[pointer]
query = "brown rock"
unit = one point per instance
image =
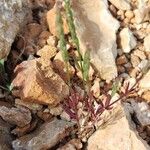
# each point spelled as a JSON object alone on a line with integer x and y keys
{"x": 16, "y": 116}
{"x": 74, "y": 144}
{"x": 45, "y": 137}
{"x": 37, "y": 82}
{"x": 34, "y": 29}
{"x": 146, "y": 95}
{"x": 47, "y": 52}
{"x": 51, "y": 20}
{"x": 122, "y": 60}
{"x": 5, "y": 137}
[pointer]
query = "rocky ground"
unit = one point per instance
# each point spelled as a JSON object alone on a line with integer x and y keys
{"x": 33, "y": 85}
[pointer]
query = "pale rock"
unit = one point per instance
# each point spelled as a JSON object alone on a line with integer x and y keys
{"x": 144, "y": 82}
{"x": 144, "y": 65}
{"x": 121, "y": 4}
{"x": 142, "y": 14}
{"x": 97, "y": 28}
{"x": 51, "y": 21}
{"x": 13, "y": 16}
{"x": 128, "y": 41}
{"x": 36, "y": 82}
{"x": 47, "y": 52}
{"x": 142, "y": 112}
{"x": 45, "y": 137}
{"x": 96, "y": 88}
{"x": 147, "y": 43}
{"x": 119, "y": 133}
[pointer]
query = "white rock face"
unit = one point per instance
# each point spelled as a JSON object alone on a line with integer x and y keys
{"x": 13, "y": 14}
{"x": 96, "y": 26}
{"x": 142, "y": 111}
{"x": 147, "y": 43}
{"x": 120, "y": 134}
{"x": 144, "y": 83}
{"x": 121, "y": 4}
{"x": 128, "y": 41}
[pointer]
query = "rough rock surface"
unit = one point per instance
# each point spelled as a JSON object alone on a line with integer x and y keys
{"x": 37, "y": 82}
{"x": 97, "y": 28}
{"x": 142, "y": 112}
{"x": 128, "y": 41}
{"x": 51, "y": 20}
{"x": 118, "y": 134}
{"x": 121, "y": 4}
{"x": 5, "y": 137}
{"x": 45, "y": 137}
{"x": 147, "y": 43}
{"x": 16, "y": 116}
{"x": 13, "y": 14}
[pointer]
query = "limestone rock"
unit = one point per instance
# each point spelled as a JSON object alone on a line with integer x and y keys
{"x": 13, "y": 14}
{"x": 144, "y": 83}
{"x": 128, "y": 41}
{"x": 45, "y": 137}
{"x": 5, "y": 137}
{"x": 121, "y": 4}
{"x": 16, "y": 116}
{"x": 51, "y": 21}
{"x": 142, "y": 112}
{"x": 118, "y": 134}
{"x": 97, "y": 28}
{"x": 147, "y": 43}
{"x": 37, "y": 82}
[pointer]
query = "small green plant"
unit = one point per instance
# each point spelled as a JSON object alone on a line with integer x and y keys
{"x": 84, "y": 61}
{"x": 62, "y": 40}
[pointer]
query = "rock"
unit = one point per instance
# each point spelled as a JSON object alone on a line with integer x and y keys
{"x": 129, "y": 14}
{"x": 128, "y": 41}
{"x": 142, "y": 112}
{"x": 119, "y": 133}
{"x": 37, "y": 82}
{"x": 16, "y": 116}
{"x": 100, "y": 34}
{"x": 48, "y": 51}
{"x": 147, "y": 43}
{"x": 31, "y": 106}
{"x": 121, "y": 4}
{"x": 144, "y": 84}
{"x": 13, "y": 16}
{"x": 122, "y": 60}
{"x": 74, "y": 144}
{"x": 51, "y": 21}
{"x": 146, "y": 95}
{"x": 142, "y": 14}
{"x": 5, "y": 136}
{"x": 45, "y": 137}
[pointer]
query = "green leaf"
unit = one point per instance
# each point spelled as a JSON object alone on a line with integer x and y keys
{"x": 86, "y": 65}
{"x": 115, "y": 88}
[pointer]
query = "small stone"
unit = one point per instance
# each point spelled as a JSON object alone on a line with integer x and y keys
{"x": 16, "y": 116}
{"x": 113, "y": 10}
{"x": 56, "y": 110}
{"x": 128, "y": 41}
{"x": 144, "y": 82}
{"x": 96, "y": 88}
{"x": 121, "y": 4}
{"x": 74, "y": 144}
{"x": 129, "y": 14}
{"x": 121, "y": 69}
{"x": 146, "y": 95}
{"x": 144, "y": 65}
{"x": 47, "y": 52}
{"x": 147, "y": 43}
{"x": 45, "y": 137}
{"x": 135, "y": 60}
{"x": 51, "y": 20}
{"x": 51, "y": 40}
{"x": 122, "y": 60}
{"x": 140, "y": 54}
{"x": 34, "y": 29}
{"x": 44, "y": 35}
